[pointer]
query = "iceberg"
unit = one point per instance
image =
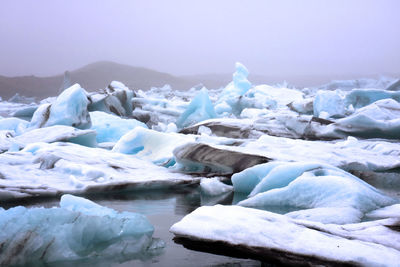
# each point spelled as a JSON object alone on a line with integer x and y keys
{"x": 69, "y": 109}
{"x": 25, "y": 113}
{"x": 363, "y": 156}
{"x": 359, "y": 98}
{"x": 50, "y": 134}
{"x": 110, "y": 128}
{"x": 246, "y": 180}
{"x": 338, "y": 104}
{"x": 380, "y": 119}
{"x": 78, "y": 229}
{"x": 199, "y": 109}
{"x": 66, "y": 83}
{"x": 395, "y": 86}
{"x": 302, "y": 106}
{"x": 242, "y": 85}
{"x": 42, "y": 169}
{"x": 40, "y": 116}
{"x": 272, "y": 237}
{"x": 348, "y": 85}
{"x": 203, "y": 158}
{"x": 279, "y": 95}
{"x": 223, "y": 127}
{"x": 115, "y": 99}
{"x": 17, "y": 98}
{"x": 13, "y": 124}
{"x": 7, "y": 109}
{"x": 255, "y": 123}
{"x": 159, "y": 105}
{"x": 229, "y": 99}
{"x": 310, "y": 186}
{"x": 214, "y": 187}
{"x": 151, "y": 145}
{"x": 392, "y": 211}
{"x": 331, "y": 103}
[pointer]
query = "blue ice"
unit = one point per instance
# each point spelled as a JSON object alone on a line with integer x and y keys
{"x": 110, "y": 128}
{"x": 199, "y": 109}
{"x": 13, "y": 124}
{"x": 307, "y": 186}
{"x": 79, "y": 229}
{"x": 229, "y": 98}
{"x": 69, "y": 109}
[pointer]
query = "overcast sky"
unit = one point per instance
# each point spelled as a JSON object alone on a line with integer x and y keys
{"x": 47, "y": 37}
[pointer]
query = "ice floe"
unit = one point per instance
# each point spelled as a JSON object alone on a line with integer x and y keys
{"x": 310, "y": 186}
{"x": 151, "y": 145}
{"x": 380, "y": 119}
{"x": 16, "y": 125}
{"x": 48, "y": 135}
{"x": 42, "y": 169}
{"x": 280, "y": 239}
{"x": 203, "y": 158}
{"x": 350, "y": 154}
{"x": 214, "y": 187}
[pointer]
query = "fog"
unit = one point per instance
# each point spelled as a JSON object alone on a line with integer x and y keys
{"x": 284, "y": 38}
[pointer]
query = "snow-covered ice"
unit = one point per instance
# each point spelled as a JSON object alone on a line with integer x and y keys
{"x": 310, "y": 187}
{"x": 381, "y": 119}
{"x": 351, "y": 154}
{"x": 272, "y": 236}
{"x": 42, "y": 169}
{"x": 151, "y": 145}
{"x": 330, "y": 103}
{"x": 214, "y": 187}
{"x": 206, "y": 159}
{"x": 13, "y": 124}
{"x": 47, "y": 135}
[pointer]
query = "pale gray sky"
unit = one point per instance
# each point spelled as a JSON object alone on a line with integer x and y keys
{"x": 46, "y": 37}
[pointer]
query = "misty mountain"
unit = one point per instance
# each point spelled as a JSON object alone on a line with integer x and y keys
{"x": 98, "y": 75}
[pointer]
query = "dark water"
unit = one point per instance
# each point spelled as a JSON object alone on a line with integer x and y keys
{"x": 163, "y": 209}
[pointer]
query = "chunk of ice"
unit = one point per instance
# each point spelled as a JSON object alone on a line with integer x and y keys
{"x": 79, "y": 229}
{"x": 309, "y": 186}
{"x": 199, "y": 109}
{"x": 151, "y": 145}
{"x": 110, "y": 128}
{"x": 69, "y": 109}
{"x": 269, "y": 235}
{"x": 214, "y": 187}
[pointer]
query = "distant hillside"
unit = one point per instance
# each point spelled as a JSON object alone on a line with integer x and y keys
{"x": 98, "y": 75}
{"x": 95, "y": 76}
